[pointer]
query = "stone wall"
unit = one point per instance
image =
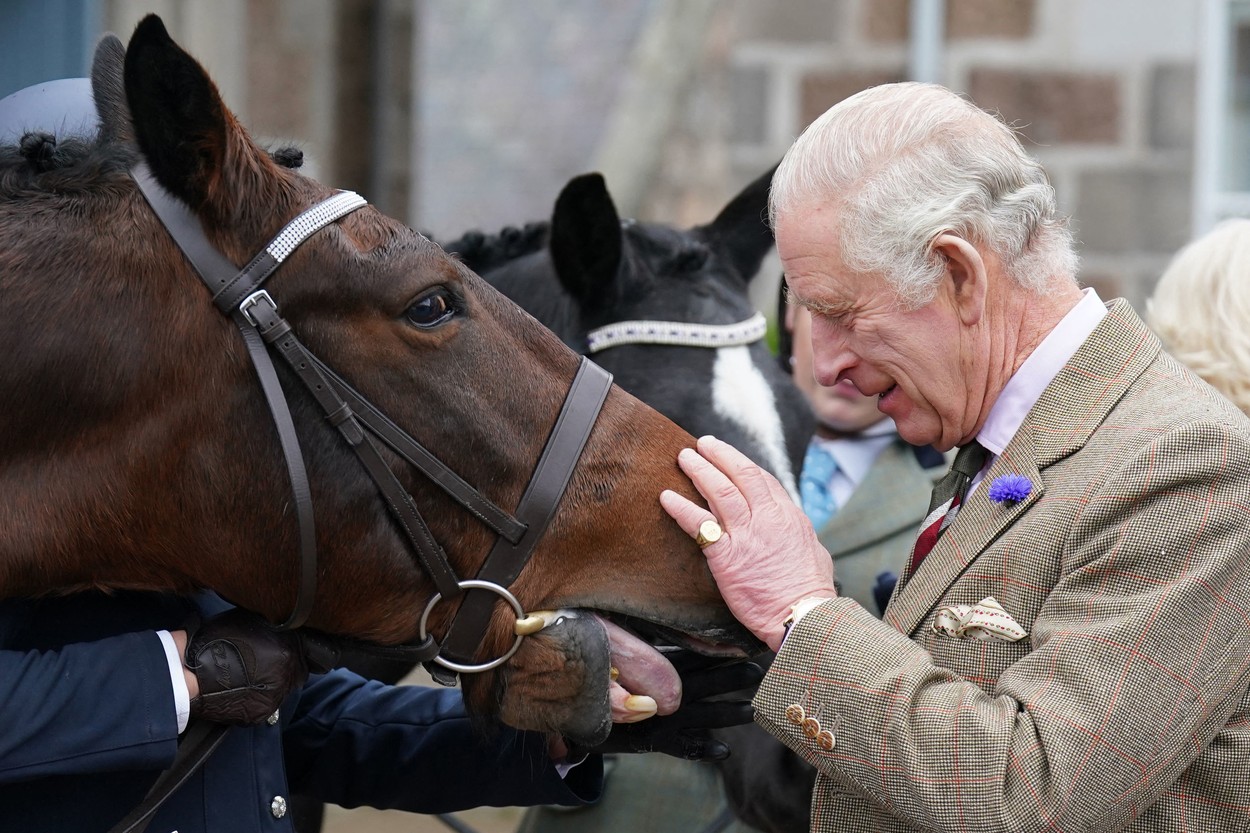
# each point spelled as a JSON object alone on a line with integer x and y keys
{"x": 1101, "y": 90}
{"x": 487, "y": 107}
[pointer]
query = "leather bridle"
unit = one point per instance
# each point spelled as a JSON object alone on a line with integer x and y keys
{"x": 238, "y": 294}
{"x": 676, "y": 334}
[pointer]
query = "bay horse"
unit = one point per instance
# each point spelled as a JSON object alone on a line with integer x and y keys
{"x": 139, "y": 451}
{"x": 666, "y": 310}
{"x": 697, "y": 353}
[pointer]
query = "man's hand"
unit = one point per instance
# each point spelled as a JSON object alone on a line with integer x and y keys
{"x": 244, "y": 668}
{"x": 769, "y": 557}
{"x": 686, "y": 733}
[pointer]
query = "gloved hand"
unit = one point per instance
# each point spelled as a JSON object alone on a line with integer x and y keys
{"x": 686, "y": 733}
{"x": 245, "y": 667}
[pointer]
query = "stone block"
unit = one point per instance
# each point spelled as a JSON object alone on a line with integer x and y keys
{"x": 822, "y": 90}
{"x": 885, "y": 21}
{"x": 1107, "y": 284}
{"x": 1052, "y": 107}
{"x": 888, "y": 21}
{"x": 969, "y": 19}
{"x": 1132, "y": 210}
{"x": 789, "y": 21}
{"x": 748, "y": 105}
{"x": 1171, "y": 103}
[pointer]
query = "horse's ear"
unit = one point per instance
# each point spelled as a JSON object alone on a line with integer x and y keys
{"x": 108, "y": 91}
{"x": 741, "y": 229}
{"x": 585, "y": 242}
{"x": 180, "y": 122}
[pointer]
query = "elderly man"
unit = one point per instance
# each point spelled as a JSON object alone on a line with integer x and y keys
{"x": 1069, "y": 645}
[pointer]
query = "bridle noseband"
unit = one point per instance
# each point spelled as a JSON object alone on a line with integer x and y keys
{"x": 238, "y": 294}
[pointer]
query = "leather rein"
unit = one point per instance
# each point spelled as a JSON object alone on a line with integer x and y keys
{"x": 238, "y": 294}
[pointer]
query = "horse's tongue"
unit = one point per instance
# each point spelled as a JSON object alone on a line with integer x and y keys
{"x": 643, "y": 669}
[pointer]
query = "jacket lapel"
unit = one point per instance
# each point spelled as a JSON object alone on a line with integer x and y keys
{"x": 1071, "y": 408}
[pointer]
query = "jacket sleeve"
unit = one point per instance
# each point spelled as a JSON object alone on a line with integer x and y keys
{"x": 87, "y": 707}
{"x": 1137, "y": 659}
{"x": 359, "y": 742}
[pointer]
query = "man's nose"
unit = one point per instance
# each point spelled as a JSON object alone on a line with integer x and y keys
{"x": 831, "y": 354}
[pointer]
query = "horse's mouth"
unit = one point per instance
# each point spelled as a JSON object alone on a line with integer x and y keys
{"x": 717, "y": 643}
{"x": 639, "y": 656}
{"x": 587, "y": 668}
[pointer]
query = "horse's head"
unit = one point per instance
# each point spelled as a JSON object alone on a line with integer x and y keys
{"x": 587, "y": 272}
{"x": 138, "y": 449}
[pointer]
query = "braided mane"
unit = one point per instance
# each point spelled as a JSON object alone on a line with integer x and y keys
{"x": 24, "y": 167}
{"x": 482, "y": 252}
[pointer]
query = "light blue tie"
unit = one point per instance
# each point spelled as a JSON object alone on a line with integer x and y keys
{"x": 815, "y": 485}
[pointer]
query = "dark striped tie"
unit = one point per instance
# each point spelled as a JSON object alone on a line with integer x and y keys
{"x": 948, "y": 494}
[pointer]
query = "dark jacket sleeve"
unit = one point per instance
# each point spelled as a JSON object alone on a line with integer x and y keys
{"x": 357, "y": 742}
{"x": 87, "y": 707}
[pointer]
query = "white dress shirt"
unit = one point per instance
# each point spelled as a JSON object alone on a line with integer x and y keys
{"x": 1025, "y": 387}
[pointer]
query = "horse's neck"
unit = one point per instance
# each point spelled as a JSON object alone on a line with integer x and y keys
{"x": 527, "y": 283}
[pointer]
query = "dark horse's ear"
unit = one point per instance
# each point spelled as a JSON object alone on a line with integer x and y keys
{"x": 180, "y": 122}
{"x": 741, "y": 229}
{"x": 108, "y": 92}
{"x": 585, "y": 241}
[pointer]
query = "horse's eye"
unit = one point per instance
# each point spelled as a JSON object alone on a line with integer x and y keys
{"x": 431, "y": 310}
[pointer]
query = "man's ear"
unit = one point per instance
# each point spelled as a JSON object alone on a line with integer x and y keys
{"x": 967, "y": 274}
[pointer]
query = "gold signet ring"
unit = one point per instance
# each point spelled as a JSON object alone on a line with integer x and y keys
{"x": 709, "y": 533}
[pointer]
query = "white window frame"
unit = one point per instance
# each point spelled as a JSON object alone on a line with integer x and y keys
{"x": 1212, "y": 200}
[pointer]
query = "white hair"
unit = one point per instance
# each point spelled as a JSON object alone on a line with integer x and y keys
{"x": 905, "y": 163}
{"x": 1201, "y": 306}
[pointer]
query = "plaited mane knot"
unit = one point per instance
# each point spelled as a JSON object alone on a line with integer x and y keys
{"x": 39, "y": 150}
{"x": 289, "y": 157}
{"x": 481, "y": 252}
{"x": 690, "y": 258}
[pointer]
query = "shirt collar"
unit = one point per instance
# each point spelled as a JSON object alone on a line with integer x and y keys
{"x": 1026, "y": 385}
{"x": 856, "y": 455}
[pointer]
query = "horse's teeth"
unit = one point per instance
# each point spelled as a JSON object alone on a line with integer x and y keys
{"x": 640, "y": 704}
{"x": 614, "y": 673}
{"x": 535, "y": 621}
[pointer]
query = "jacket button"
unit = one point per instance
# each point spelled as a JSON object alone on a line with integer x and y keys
{"x": 811, "y": 727}
{"x": 795, "y": 714}
{"x": 272, "y": 719}
{"x": 278, "y": 807}
{"x": 825, "y": 740}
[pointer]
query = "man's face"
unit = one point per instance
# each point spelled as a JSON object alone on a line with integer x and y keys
{"x": 922, "y": 365}
{"x": 841, "y": 408}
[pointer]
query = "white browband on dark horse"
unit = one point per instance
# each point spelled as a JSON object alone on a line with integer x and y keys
{"x": 679, "y": 333}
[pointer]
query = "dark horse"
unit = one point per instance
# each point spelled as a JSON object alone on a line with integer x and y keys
{"x": 138, "y": 450}
{"x": 666, "y": 310}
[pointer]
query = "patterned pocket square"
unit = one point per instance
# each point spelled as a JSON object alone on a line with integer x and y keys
{"x": 984, "y": 620}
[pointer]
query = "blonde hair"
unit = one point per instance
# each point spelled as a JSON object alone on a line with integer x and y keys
{"x": 1201, "y": 309}
{"x": 904, "y": 163}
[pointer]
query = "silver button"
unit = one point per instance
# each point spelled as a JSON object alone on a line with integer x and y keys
{"x": 272, "y": 719}
{"x": 278, "y": 806}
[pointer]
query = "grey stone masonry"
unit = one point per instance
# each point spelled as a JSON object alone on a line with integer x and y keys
{"x": 1133, "y": 209}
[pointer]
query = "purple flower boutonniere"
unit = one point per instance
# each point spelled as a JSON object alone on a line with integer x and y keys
{"x": 1010, "y": 488}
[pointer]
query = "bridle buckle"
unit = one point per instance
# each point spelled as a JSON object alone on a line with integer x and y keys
{"x": 252, "y": 300}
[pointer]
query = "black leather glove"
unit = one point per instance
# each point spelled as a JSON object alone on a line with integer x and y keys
{"x": 245, "y": 667}
{"x": 686, "y": 733}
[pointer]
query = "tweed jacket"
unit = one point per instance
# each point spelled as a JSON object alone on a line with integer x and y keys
{"x": 1125, "y": 707}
